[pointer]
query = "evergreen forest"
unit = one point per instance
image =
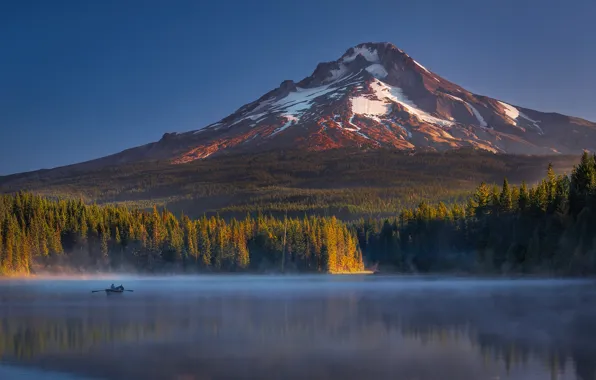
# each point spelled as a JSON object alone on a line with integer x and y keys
{"x": 547, "y": 228}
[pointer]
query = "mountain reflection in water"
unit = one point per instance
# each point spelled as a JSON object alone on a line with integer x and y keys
{"x": 319, "y": 327}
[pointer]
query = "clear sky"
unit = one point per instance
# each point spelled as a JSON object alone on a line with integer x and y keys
{"x": 81, "y": 79}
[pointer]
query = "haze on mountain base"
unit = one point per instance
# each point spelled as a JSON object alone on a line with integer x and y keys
{"x": 374, "y": 96}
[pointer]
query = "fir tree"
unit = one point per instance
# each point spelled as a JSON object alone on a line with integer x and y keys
{"x": 505, "y": 197}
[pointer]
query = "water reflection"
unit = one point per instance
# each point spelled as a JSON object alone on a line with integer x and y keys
{"x": 384, "y": 328}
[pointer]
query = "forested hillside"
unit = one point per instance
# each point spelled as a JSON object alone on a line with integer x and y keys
{"x": 41, "y": 234}
{"x": 343, "y": 182}
{"x": 547, "y": 228}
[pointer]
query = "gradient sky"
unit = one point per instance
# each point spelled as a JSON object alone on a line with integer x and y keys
{"x": 83, "y": 79}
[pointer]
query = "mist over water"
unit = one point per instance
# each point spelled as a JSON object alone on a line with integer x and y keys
{"x": 298, "y": 327}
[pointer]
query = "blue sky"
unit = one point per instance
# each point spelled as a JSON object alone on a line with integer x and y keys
{"x": 83, "y": 79}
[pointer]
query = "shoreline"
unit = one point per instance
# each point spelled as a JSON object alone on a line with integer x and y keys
{"x": 109, "y": 275}
{"x": 429, "y": 276}
{"x": 341, "y": 273}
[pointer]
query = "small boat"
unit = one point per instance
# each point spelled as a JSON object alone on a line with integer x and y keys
{"x": 117, "y": 290}
{"x": 113, "y": 290}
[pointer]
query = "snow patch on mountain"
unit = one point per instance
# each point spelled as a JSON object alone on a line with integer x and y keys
{"x": 514, "y": 114}
{"x": 479, "y": 117}
{"x": 369, "y": 55}
{"x": 378, "y": 105}
{"x": 363, "y": 135}
{"x": 290, "y": 120}
{"x": 263, "y": 104}
{"x": 422, "y": 67}
{"x": 258, "y": 117}
{"x": 534, "y": 122}
{"x": 395, "y": 94}
{"x": 341, "y": 80}
{"x": 200, "y": 130}
{"x": 377, "y": 70}
{"x": 251, "y": 138}
{"x": 405, "y": 130}
{"x": 338, "y": 122}
{"x": 336, "y": 74}
{"x": 356, "y": 128}
{"x": 296, "y": 103}
{"x": 510, "y": 111}
{"x": 255, "y": 117}
{"x": 387, "y": 126}
{"x": 364, "y": 105}
{"x": 386, "y": 123}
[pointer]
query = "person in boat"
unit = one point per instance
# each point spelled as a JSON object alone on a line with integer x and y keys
{"x": 113, "y": 287}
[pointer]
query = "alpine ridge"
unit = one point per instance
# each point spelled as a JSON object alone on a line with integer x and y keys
{"x": 374, "y": 96}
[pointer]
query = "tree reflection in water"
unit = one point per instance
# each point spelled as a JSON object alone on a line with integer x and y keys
{"x": 523, "y": 332}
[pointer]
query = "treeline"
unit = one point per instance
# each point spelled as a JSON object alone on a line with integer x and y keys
{"x": 347, "y": 183}
{"x": 548, "y": 228}
{"x": 36, "y": 233}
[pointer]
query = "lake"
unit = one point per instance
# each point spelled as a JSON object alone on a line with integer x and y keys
{"x": 298, "y": 327}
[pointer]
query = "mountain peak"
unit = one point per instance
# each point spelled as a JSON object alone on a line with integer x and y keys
{"x": 375, "y": 95}
{"x": 368, "y": 52}
{"x": 383, "y": 55}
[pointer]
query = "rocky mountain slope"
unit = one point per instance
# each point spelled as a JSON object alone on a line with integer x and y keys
{"x": 375, "y": 95}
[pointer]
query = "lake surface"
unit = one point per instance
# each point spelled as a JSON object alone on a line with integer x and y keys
{"x": 298, "y": 327}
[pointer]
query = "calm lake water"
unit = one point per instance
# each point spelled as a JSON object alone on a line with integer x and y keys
{"x": 298, "y": 327}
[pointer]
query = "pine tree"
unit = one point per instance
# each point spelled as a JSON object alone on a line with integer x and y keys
{"x": 10, "y": 231}
{"x": 190, "y": 238}
{"x": 482, "y": 198}
{"x": 551, "y": 182}
{"x": 205, "y": 244}
{"x": 242, "y": 255}
{"x": 505, "y": 197}
{"x": 524, "y": 196}
{"x": 583, "y": 183}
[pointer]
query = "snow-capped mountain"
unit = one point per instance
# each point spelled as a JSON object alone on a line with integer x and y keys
{"x": 375, "y": 95}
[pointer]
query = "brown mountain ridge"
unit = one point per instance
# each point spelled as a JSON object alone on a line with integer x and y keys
{"x": 374, "y": 96}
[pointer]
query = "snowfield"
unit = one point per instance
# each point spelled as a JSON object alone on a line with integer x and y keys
{"x": 515, "y": 114}
{"x": 380, "y": 104}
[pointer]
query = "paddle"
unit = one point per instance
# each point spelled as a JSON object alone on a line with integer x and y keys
{"x": 95, "y": 291}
